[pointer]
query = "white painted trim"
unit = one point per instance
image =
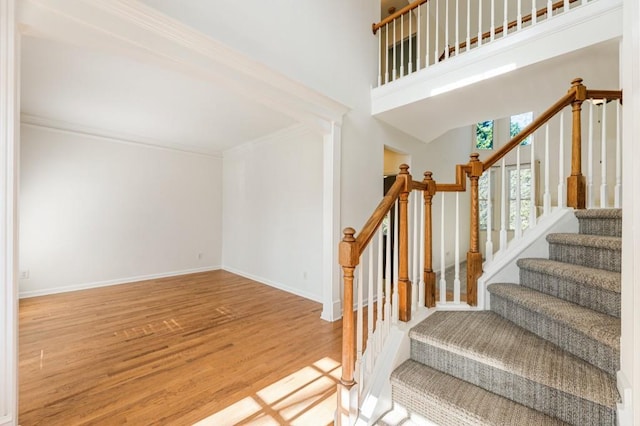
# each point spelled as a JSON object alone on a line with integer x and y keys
{"x": 9, "y": 190}
{"x": 331, "y": 236}
{"x": 625, "y": 407}
{"x": 132, "y": 28}
{"x": 119, "y": 281}
{"x": 271, "y": 283}
{"x": 93, "y": 132}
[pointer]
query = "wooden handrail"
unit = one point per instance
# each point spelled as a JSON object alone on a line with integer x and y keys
{"x": 461, "y": 180}
{"x": 540, "y": 12}
{"x": 391, "y": 18}
{"x": 528, "y": 130}
{"x": 605, "y": 94}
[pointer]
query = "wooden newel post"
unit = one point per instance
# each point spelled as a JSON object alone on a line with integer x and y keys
{"x": 576, "y": 183}
{"x": 429, "y": 276}
{"x": 404, "y": 285}
{"x": 474, "y": 257}
{"x": 349, "y": 257}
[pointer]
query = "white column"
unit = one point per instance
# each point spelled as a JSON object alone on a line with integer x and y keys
{"x": 331, "y": 233}
{"x": 9, "y": 154}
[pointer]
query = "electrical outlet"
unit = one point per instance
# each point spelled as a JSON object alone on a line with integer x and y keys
{"x": 24, "y": 275}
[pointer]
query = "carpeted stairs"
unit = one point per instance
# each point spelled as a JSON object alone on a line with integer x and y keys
{"x": 545, "y": 354}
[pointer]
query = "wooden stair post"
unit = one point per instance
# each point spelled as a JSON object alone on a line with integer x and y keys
{"x": 429, "y": 275}
{"x": 349, "y": 257}
{"x": 474, "y": 257}
{"x": 404, "y": 284}
{"x": 576, "y": 183}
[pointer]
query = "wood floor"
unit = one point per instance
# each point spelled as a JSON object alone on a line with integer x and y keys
{"x": 211, "y": 347}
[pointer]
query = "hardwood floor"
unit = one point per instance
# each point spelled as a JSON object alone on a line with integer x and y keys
{"x": 211, "y": 347}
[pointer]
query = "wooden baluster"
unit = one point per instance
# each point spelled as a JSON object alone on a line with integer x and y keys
{"x": 474, "y": 257}
{"x": 403, "y": 283}
{"x": 429, "y": 275}
{"x": 576, "y": 183}
{"x": 349, "y": 256}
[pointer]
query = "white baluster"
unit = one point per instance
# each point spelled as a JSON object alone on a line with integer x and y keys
{"x": 503, "y": 206}
{"x": 395, "y": 300}
{"x": 456, "y": 279}
{"x": 370, "y": 309}
{"x": 359, "y": 324}
{"x": 427, "y": 47}
{"x": 436, "y": 55}
{"x": 388, "y": 275}
{"x": 380, "y": 58}
{"x": 386, "y": 53}
{"x": 562, "y": 197}
{"x": 493, "y": 20}
{"x": 519, "y": 25}
{"x": 618, "y": 188}
{"x": 566, "y": 6}
{"x": 394, "y": 72}
{"x": 416, "y": 251}
{"x": 518, "y": 224}
{"x": 380, "y": 298}
{"x": 480, "y": 23}
{"x": 533, "y": 212}
{"x": 446, "y": 29}
{"x": 443, "y": 281}
{"x": 489, "y": 243}
{"x": 457, "y": 18}
{"x": 549, "y": 9}
{"x": 410, "y": 70}
{"x": 421, "y": 268}
{"x": 534, "y": 13}
{"x": 547, "y": 192}
{"x": 418, "y": 36}
{"x": 505, "y": 24}
{"x": 603, "y": 157}
{"x": 401, "y": 46}
{"x": 590, "y": 158}
{"x": 468, "y": 40}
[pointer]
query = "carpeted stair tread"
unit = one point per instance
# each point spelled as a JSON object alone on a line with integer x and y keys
{"x": 447, "y": 400}
{"x": 593, "y": 277}
{"x": 487, "y": 338}
{"x": 598, "y": 213}
{"x": 603, "y": 328}
{"x": 595, "y": 241}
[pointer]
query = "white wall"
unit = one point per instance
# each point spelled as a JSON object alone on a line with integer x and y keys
{"x": 272, "y": 220}
{"x": 96, "y": 211}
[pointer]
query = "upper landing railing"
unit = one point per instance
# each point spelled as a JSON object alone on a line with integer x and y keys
{"x": 427, "y": 32}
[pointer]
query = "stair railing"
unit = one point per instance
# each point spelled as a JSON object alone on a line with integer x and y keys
{"x": 380, "y": 258}
{"x": 427, "y": 32}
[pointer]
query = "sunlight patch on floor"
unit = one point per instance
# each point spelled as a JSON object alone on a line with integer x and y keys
{"x": 306, "y": 397}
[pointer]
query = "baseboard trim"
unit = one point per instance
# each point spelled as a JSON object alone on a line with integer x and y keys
{"x": 97, "y": 284}
{"x": 272, "y": 283}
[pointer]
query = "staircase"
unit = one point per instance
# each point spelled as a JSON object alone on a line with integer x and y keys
{"x": 545, "y": 354}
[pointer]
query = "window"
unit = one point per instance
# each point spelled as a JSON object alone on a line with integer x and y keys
{"x": 484, "y": 135}
{"x": 525, "y": 207}
{"x": 485, "y": 195}
{"x": 519, "y": 122}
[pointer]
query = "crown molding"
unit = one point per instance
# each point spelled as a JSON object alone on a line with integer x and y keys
{"x": 133, "y": 28}
{"x": 93, "y": 132}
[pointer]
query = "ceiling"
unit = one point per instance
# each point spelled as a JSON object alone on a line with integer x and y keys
{"x": 123, "y": 70}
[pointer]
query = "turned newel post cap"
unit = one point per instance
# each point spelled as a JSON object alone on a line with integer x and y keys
{"x": 475, "y": 156}
{"x": 349, "y": 235}
{"x": 427, "y": 175}
{"x": 576, "y": 81}
{"x": 404, "y": 169}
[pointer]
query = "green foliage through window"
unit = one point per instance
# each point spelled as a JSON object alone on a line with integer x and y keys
{"x": 484, "y": 135}
{"x": 519, "y": 122}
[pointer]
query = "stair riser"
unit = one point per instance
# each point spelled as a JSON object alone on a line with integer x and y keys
{"x": 594, "y": 298}
{"x": 592, "y": 351}
{"x": 550, "y": 401}
{"x": 593, "y": 257}
{"x": 599, "y": 226}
